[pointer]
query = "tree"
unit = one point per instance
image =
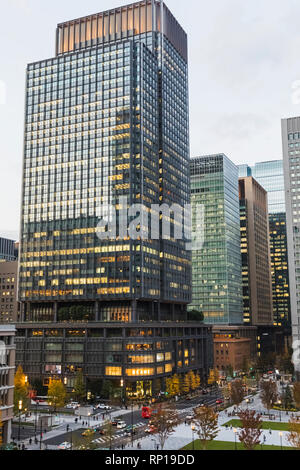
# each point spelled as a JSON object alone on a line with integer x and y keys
{"x": 268, "y": 393}
{"x": 287, "y": 398}
{"x": 294, "y": 433}
{"x": 229, "y": 371}
{"x": 186, "y": 384}
{"x": 214, "y": 376}
{"x": 57, "y": 394}
{"x": 236, "y": 392}
{"x": 79, "y": 391}
{"x": 197, "y": 380}
{"x": 226, "y": 392}
{"x": 109, "y": 431}
{"x": 21, "y": 391}
{"x": 192, "y": 380}
{"x": 195, "y": 315}
{"x": 251, "y": 431}
{"x": 206, "y": 424}
{"x": 296, "y": 394}
{"x": 107, "y": 388}
{"x": 164, "y": 422}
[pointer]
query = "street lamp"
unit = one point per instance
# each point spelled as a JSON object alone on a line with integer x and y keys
{"x": 280, "y": 435}
{"x": 235, "y": 431}
{"x": 132, "y": 424}
{"x": 193, "y": 430}
{"x": 247, "y": 401}
{"x": 20, "y": 405}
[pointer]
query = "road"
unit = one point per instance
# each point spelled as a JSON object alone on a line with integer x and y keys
{"x": 120, "y": 438}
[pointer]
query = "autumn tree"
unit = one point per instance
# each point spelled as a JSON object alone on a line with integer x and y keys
{"x": 109, "y": 431}
{"x": 79, "y": 391}
{"x": 296, "y": 394}
{"x": 236, "y": 392}
{"x": 251, "y": 431}
{"x": 192, "y": 380}
{"x": 197, "y": 380}
{"x": 226, "y": 392}
{"x": 294, "y": 433}
{"x": 186, "y": 386}
{"x": 164, "y": 422}
{"x": 214, "y": 377}
{"x": 21, "y": 390}
{"x": 57, "y": 394}
{"x": 206, "y": 424}
{"x": 268, "y": 393}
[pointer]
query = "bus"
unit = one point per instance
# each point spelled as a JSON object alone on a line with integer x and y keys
{"x": 40, "y": 401}
{"x": 146, "y": 412}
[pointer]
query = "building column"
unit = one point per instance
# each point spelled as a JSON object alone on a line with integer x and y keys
{"x": 55, "y": 305}
{"x": 97, "y": 310}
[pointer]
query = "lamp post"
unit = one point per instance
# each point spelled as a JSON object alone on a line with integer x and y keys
{"x": 235, "y": 431}
{"x": 279, "y": 403}
{"x": 20, "y": 405}
{"x": 280, "y": 435}
{"x": 247, "y": 402}
{"x": 193, "y": 430}
{"x": 132, "y": 424}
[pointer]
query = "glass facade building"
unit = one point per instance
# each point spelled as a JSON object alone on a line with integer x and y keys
{"x": 106, "y": 126}
{"x": 7, "y": 250}
{"x": 270, "y": 176}
{"x": 216, "y": 280}
{"x": 291, "y": 165}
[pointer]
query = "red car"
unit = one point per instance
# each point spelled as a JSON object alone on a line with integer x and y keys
{"x": 219, "y": 402}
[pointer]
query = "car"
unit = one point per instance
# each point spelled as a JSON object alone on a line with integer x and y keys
{"x": 101, "y": 406}
{"x": 114, "y": 423}
{"x": 150, "y": 429}
{"x": 189, "y": 418}
{"x": 121, "y": 424}
{"x": 101, "y": 432}
{"x": 65, "y": 446}
{"x": 219, "y": 402}
{"x": 88, "y": 432}
{"x": 130, "y": 429}
{"x": 73, "y": 405}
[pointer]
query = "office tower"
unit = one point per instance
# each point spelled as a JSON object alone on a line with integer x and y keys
{"x": 216, "y": 266}
{"x": 291, "y": 165}
{"x": 255, "y": 248}
{"x": 8, "y": 292}
{"x": 270, "y": 176}
{"x": 7, "y": 250}
{"x": 7, "y": 372}
{"x": 107, "y": 127}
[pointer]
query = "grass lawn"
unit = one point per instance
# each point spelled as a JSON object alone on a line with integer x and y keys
{"x": 223, "y": 445}
{"x": 236, "y": 423}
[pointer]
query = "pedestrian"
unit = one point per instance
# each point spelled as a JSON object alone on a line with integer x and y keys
{"x": 30, "y": 441}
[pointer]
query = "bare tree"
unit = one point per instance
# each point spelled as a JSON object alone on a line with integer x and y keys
{"x": 251, "y": 431}
{"x": 164, "y": 422}
{"x": 268, "y": 393}
{"x": 206, "y": 425}
{"x": 236, "y": 392}
{"x": 296, "y": 394}
{"x": 294, "y": 433}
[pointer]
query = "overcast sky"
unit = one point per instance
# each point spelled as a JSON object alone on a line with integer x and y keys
{"x": 244, "y": 58}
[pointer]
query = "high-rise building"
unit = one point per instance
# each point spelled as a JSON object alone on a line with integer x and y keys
{"x": 8, "y": 292}
{"x": 7, "y": 373}
{"x": 216, "y": 263}
{"x": 106, "y": 128}
{"x": 291, "y": 166}
{"x": 255, "y": 249}
{"x": 7, "y": 250}
{"x": 270, "y": 176}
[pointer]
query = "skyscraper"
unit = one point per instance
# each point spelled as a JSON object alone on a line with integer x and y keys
{"x": 7, "y": 250}
{"x": 255, "y": 249}
{"x": 216, "y": 281}
{"x": 291, "y": 165}
{"x": 270, "y": 176}
{"x": 106, "y": 128}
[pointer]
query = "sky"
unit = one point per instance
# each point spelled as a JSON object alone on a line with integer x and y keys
{"x": 244, "y": 77}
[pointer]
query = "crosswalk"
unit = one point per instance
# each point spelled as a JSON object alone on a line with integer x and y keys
{"x": 105, "y": 439}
